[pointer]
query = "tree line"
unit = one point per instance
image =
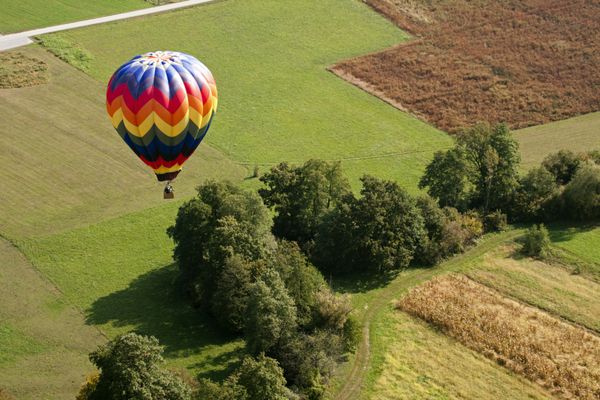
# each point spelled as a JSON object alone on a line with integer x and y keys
{"x": 256, "y": 260}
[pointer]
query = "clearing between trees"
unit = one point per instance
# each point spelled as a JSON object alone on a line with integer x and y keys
{"x": 520, "y": 62}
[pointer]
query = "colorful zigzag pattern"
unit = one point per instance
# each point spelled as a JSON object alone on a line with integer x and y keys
{"x": 162, "y": 104}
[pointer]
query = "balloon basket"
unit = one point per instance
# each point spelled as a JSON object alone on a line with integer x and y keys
{"x": 169, "y": 192}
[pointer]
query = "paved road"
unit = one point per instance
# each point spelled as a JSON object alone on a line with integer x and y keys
{"x": 23, "y": 38}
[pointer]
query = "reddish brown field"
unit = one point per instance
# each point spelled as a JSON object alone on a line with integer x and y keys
{"x": 523, "y": 62}
{"x": 563, "y": 358}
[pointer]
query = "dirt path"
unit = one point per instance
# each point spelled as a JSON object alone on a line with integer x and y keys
{"x": 354, "y": 381}
{"x": 19, "y": 39}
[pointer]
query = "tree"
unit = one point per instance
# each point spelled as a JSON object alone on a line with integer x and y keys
{"x": 301, "y": 196}
{"x": 262, "y": 378}
{"x": 378, "y": 232}
{"x": 494, "y": 158}
{"x": 223, "y": 220}
{"x": 582, "y": 195}
{"x": 535, "y": 191}
{"x": 302, "y": 280}
{"x": 446, "y": 178}
{"x": 562, "y": 165}
{"x": 132, "y": 368}
{"x": 271, "y": 313}
{"x": 230, "y": 298}
{"x": 228, "y": 390}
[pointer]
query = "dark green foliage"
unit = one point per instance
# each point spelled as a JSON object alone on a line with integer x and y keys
{"x": 222, "y": 221}
{"x": 262, "y": 378}
{"x": 377, "y": 232}
{"x": 230, "y": 298}
{"x": 309, "y": 359}
{"x": 352, "y": 333}
{"x": 430, "y": 251}
{"x": 302, "y": 280}
{"x": 270, "y": 315}
{"x": 132, "y": 368}
{"x": 536, "y": 192}
{"x": 481, "y": 171}
{"x": 496, "y": 221}
{"x": 582, "y": 195}
{"x": 228, "y": 390}
{"x": 301, "y": 196}
{"x": 536, "y": 242}
{"x": 446, "y": 178}
{"x": 494, "y": 159}
{"x": 562, "y": 165}
{"x": 259, "y": 378}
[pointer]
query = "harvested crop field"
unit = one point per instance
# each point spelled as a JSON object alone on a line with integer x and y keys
{"x": 563, "y": 358}
{"x": 523, "y": 62}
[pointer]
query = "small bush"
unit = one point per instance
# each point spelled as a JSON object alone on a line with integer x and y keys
{"x": 352, "y": 333}
{"x": 495, "y": 222}
{"x": 536, "y": 242}
{"x": 4, "y": 395}
{"x": 88, "y": 388}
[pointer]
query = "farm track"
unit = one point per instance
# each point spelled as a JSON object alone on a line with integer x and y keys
{"x": 19, "y": 39}
{"x": 354, "y": 381}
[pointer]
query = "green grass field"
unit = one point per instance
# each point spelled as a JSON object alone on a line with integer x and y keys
{"x": 22, "y": 15}
{"x": 90, "y": 218}
{"x": 581, "y": 243}
{"x": 277, "y": 100}
{"x": 120, "y": 274}
{"x": 577, "y": 134}
{"x": 64, "y": 165}
{"x": 43, "y": 340}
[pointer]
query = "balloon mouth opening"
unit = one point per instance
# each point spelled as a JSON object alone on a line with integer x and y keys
{"x": 168, "y": 176}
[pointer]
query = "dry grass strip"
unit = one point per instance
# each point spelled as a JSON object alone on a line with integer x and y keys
{"x": 563, "y": 358}
{"x": 18, "y": 70}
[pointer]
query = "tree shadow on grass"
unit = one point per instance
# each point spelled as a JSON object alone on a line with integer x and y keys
{"x": 563, "y": 232}
{"x": 361, "y": 283}
{"x": 152, "y": 305}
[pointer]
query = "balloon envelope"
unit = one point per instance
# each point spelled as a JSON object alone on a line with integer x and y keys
{"x": 162, "y": 104}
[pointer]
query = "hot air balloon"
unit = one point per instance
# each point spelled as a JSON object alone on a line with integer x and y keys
{"x": 162, "y": 104}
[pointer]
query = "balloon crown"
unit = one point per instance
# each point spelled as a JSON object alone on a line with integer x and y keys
{"x": 163, "y": 57}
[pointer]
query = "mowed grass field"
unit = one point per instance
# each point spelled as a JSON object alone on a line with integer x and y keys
{"x": 89, "y": 216}
{"x": 577, "y": 134}
{"x": 277, "y": 101}
{"x": 22, "y": 15}
{"x": 65, "y": 166}
{"x": 43, "y": 340}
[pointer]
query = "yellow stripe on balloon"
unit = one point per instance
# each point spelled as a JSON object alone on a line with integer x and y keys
{"x": 163, "y": 169}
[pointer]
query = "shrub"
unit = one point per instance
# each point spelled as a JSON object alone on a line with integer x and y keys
{"x": 582, "y": 195}
{"x": 262, "y": 378}
{"x": 5, "y": 395}
{"x": 495, "y": 221}
{"x": 352, "y": 333}
{"x": 87, "y": 388}
{"x": 536, "y": 195}
{"x": 536, "y": 242}
{"x": 562, "y": 165}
